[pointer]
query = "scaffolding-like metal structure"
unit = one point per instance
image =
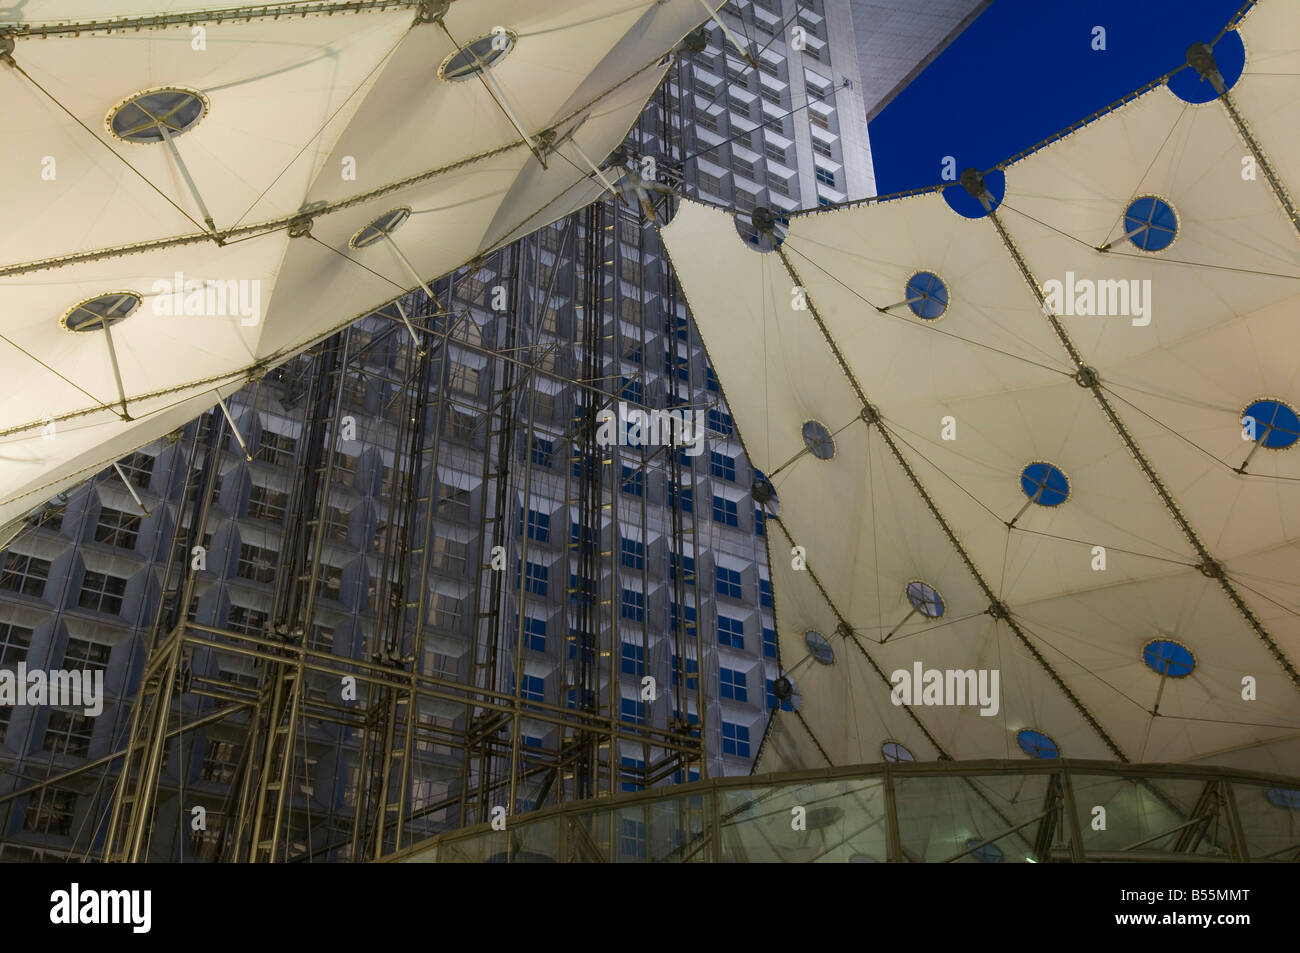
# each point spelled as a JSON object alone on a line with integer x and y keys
{"x": 437, "y": 745}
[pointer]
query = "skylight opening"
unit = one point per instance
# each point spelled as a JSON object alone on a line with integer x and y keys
{"x": 1044, "y": 484}
{"x": 385, "y": 224}
{"x": 156, "y": 114}
{"x": 1036, "y": 744}
{"x": 925, "y": 599}
{"x": 1167, "y": 657}
{"x": 476, "y": 56}
{"x": 818, "y": 440}
{"x": 101, "y": 311}
{"x": 895, "y": 752}
{"x": 1276, "y": 425}
{"x": 927, "y": 295}
{"x": 819, "y": 647}
{"x": 1150, "y": 224}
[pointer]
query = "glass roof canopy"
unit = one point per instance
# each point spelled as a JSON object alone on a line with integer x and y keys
{"x": 975, "y": 812}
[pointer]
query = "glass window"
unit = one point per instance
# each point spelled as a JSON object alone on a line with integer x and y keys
{"x": 117, "y": 528}
{"x": 729, "y": 582}
{"x": 732, "y": 685}
{"x": 731, "y": 632}
{"x": 735, "y": 740}
{"x": 101, "y": 592}
{"x": 25, "y": 574}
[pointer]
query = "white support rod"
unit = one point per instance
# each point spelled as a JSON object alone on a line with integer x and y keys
{"x": 117, "y": 373}
{"x": 485, "y": 73}
{"x": 131, "y": 489}
{"x": 410, "y": 269}
{"x": 234, "y": 427}
{"x": 407, "y": 321}
{"x": 594, "y": 168}
{"x": 185, "y": 173}
{"x": 1137, "y": 231}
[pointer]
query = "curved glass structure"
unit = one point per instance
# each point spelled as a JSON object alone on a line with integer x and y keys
{"x": 908, "y": 812}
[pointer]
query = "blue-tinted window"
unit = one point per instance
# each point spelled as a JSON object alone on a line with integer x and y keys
{"x": 633, "y": 659}
{"x": 732, "y": 684}
{"x": 633, "y": 769}
{"x": 765, "y": 592}
{"x": 632, "y": 711}
{"x": 633, "y": 481}
{"x": 760, "y": 522}
{"x": 769, "y": 643}
{"x": 826, "y": 176}
{"x": 581, "y": 590}
{"x": 735, "y": 740}
{"x": 692, "y": 668}
{"x": 537, "y": 578}
{"x": 539, "y": 525}
{"x": 534, "y": 634}
{"x": 587, "y": 643}
{"x": 631, "y": 391}
{"x": 710, "y": 379}
{"x": 687, "y": 623}
{"x": 728, "y": 582}
{"x": 720, "y": 422}
{"x": 633, "y": 554}
{"x": 721, "y": 465}
{"x": 687, "y": 564}
{"x": 725, "y": 511}
{"x": 633, "y": 605}
{"x": 731, "y": 632}
{"x": 533, "y": 688}
{"x": 578, "y": 458}
{"x": 683, "y": 497}
{"x": 543, "y": 452}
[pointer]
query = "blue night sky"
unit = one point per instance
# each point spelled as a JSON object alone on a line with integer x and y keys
{"x": 1026, "y": 69}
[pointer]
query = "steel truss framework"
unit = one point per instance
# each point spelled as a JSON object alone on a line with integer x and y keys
{"x": 407, "y": 713}
{"x": 978, "y": 811}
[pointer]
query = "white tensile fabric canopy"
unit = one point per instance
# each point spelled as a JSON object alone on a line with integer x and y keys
{"x": 406, "y": 113}
{"x": 1099, "y": 526}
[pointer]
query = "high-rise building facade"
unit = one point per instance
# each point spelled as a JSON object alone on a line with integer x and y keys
{"x": 454, "y": 490}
